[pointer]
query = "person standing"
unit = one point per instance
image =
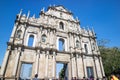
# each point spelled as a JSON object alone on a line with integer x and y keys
{"x": 36, "y": 77}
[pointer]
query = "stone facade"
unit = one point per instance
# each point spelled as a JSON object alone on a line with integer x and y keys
{"x": 78, "y": 48}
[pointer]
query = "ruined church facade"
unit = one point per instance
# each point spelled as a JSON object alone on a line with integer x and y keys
{"x": 36, "y": 45}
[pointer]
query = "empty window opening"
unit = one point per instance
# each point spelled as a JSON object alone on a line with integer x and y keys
{"x": 18, "y": 35}
{"x": 44, "y": 38}
{"x": 61, "y": 71}
{"x": 61, "y": 25}
{"x": 31, "y": 40}
{"x": 90, "y": 73}
{"x": 61, "y": 45}
{"x": 26, "y": 71}
{"x": 77, "y": 44}
{"x": 86, "y": 49}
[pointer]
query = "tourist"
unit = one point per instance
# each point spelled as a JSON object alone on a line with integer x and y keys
{"x": 113, "y": 77}
{"x": 35, "y": 78}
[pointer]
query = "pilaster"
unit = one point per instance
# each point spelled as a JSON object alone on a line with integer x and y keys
{"x": 17, "y": 52}
{"x": 79, "y": 67}
{"x": 94, "y": 60}
{"x": 54, "y": 64}
{"x": 5, "y": 61}
{"x": 101, "y": 65}
{"x": 54, "y": 39}
{"x": 46, "y": 63}
{"x": 51, "y": 39}
{"x": 73, "y": 66}
{"x": 37, "y": 62}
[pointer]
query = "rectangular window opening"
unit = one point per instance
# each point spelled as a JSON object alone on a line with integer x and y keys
{"x": 90, "y": 72}
{"x": 26, "y": 71}
{"x": 61, "y": 71}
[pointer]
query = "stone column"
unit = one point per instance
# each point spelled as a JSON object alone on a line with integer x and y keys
{"x": 80, "y": 67}
{"x": 73, "y": 66}
{"x": 75, "y": 70}
{"x": 69, "y": 71}
{"x": 17, "y": 53}
{"x": 37, "y": 62}
{"x": 83, "y": 56}
{"x": 3, "y": 67}
{"x": 96, "y": 46}
{"x": 94, "y": 59}
{"x": 50, "y": 38}
{"x": 19, "y": 65}
{"x": 39, "y": 37}
{"x": 77, "y": 67}
{"x": 101, "y": 65}
{"x": 54, "y": 38}
{"x": 69, "y": 43}
{"x": 54, "y": 64}
{"x": 46, "y": 68}
{"x": 72, "y": 42}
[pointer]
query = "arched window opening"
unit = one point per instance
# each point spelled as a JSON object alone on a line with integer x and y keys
{"x": 77, "y": 44}
{"x": 61, "y": 44}
{"x": 61, "y": 25}
{"x": 18, "y": 35}
{"x": 86, "y": 49}
{"x": 31, "y": 40}
{"x": 43, "y": 38}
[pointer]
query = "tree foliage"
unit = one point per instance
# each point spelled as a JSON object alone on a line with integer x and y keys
{"x": 110, "y": 58}
{"x": 62, "y": 74}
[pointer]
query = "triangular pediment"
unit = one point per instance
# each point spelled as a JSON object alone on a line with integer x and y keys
{"x": 60, "y": 12}
{"x": 61, "y": 8}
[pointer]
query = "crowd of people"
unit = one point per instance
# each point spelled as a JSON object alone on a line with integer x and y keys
{"x": 112, "y": 77}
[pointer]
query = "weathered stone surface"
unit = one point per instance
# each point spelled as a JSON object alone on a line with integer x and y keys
{"x": 57, "y": 24}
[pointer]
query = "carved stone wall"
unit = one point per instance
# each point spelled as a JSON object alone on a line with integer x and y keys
{"x": 57, "y": 23}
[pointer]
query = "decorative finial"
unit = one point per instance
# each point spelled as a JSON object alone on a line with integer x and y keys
{"x": 20, "y": 13}
{"x": 88, "y": 28}
{"x": 93, "y": 31}
{"x": 33, "y": 15}
{"x": 28, "y": 14}
{"x": 43, "y": 9}
{"x": 77, "y": 18}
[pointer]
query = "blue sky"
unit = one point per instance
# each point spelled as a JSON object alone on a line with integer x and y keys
{"x": 102, "y": 15}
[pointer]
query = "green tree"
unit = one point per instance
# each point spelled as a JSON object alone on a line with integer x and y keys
{"x": 62, "y": 74}
{"x": 110, "y": 58}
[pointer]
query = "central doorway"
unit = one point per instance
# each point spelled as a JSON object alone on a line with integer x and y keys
{"x": 61, "y": 71}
